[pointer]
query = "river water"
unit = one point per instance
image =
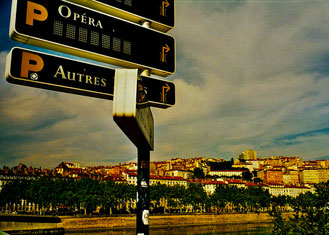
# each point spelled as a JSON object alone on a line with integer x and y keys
{"x": 252, "y": 228}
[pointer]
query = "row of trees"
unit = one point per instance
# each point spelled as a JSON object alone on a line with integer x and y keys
{"x": 85, "y": 195}
{"x": 89, "y": 194}
{"x": 82, "y": 196}
{"x": 311, "y": 213}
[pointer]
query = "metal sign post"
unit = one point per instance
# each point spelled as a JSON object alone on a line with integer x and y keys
{"x": 66, "y": 26}
{"x": 133, "y": 115}
{"x": 143, "y": 191}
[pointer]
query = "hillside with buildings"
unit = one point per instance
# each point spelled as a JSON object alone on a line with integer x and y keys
{"x": 281, "y": 175}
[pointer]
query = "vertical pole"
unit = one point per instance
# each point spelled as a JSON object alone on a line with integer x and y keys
{"x": 143, "y": 191}
{"x": 133, "y": 115}
{"x": 143, "y": 179}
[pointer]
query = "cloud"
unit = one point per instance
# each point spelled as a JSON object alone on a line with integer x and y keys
{"x": 307, "y": 145}
{"x": 41, "y": 127}
{"x": 250, "y": 74}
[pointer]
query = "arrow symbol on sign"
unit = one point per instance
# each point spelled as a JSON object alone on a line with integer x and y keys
{"x": 165, "y": 50}
{"x": 165, "y": 89}
{"x": 165, "y": 4}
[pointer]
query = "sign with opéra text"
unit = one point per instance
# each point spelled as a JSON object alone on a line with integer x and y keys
{"x": 70, "y": 28}
{"x": 161, "y": 13}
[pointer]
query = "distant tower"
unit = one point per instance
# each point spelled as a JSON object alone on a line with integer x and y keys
{"x": 248, "y": 155}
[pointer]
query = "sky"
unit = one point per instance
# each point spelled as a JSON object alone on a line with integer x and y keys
{"x": 249, "y": 75}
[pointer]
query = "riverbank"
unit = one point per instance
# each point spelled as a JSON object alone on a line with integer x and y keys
{"x": 73, "y": 224}
{"x": 30, "y": 224}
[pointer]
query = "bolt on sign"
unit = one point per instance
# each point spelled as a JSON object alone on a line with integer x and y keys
{"x": 70, "y": 28}
{"x": 161, "y": 13}
{"x": 36, "y": 69}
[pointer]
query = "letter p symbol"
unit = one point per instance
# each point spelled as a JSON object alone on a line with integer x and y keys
{"x": 30, "y": 62}
{"x": 35, "y": 11}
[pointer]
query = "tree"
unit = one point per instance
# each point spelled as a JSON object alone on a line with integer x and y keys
{"x": 13, "y": 192}
{"x": 218, "y": 198}
{"x": 175, "y": 196}
{"x": 158, "y": 193}
{"x": 247, "y": 175}
{"x": 66, "y": 193}
{"x": 108, "y": 198}
{"x": 90, "y": 194}
{"x": 124, "y": 193}
{"x": 226, "y": 165}
{"x": 198, "y": 173}
{"x": 311, "y": 214}
{"x": 42, "y": 192}
{"x": 195, "y": 196}
{"x": 258, "y": 198}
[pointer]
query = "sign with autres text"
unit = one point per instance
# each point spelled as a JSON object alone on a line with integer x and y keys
{"x": 35, "y": 69}
{"x": 70, "y": 28}
{"x": 161, "y": 13}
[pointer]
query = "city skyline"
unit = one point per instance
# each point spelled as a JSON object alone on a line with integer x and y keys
{"x": 246, "y": 170}
{"x": 172, "y": 158}
{"x": 250, "y": 75}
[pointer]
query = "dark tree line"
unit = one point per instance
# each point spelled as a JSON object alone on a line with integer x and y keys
{"x": 69, "y": 195}
{"x": 233, "y": 199}
{"x": 310, "y": 216}
{"x": 86, "y": 195}
{"x": 225, "y": 165}
{"x": 311, "y": 211}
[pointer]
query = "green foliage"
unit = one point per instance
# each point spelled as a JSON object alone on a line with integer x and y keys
{"x": 67, "y": 193}
{"x": 89, "y": 193}
{"x": 176, "y": 195}
{"x": 247, "y": 176}
{"x": 42, "y": 191}
{"x": 109, "y": 198}
{"x": 311, "y": 210}
{"x": 14, "y": 192}
{"x": 220, "y": 197}
{"x": 241, "y": 199}
{"x": 311, "y": 213}
{"x": 198, "y": 173}
{"x": 195, "y": 195}
{"x": 226, "y": 165}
